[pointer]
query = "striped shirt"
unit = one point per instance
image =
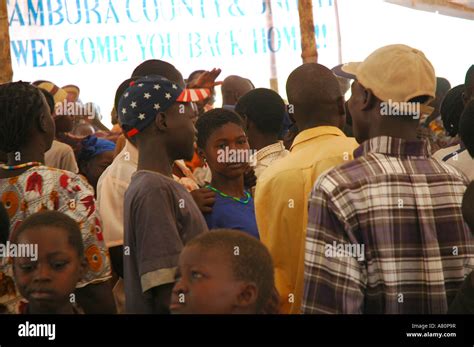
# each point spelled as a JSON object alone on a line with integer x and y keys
{"x": 267, "y": 155}
{"x": 385, "y": 233}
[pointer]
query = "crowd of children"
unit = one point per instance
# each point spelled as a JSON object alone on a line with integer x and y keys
{"x": 320, "y": 205}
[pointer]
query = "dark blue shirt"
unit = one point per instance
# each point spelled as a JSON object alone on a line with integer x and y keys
{"x": 230, "y": 214}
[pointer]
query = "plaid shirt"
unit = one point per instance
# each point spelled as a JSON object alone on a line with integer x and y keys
{"x": 267, "y": 155}
{"x": 385, "y": 233}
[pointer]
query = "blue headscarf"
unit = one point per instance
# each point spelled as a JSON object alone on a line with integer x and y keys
{"x": 92, "y": 146}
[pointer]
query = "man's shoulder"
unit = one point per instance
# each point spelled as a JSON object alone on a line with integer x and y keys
{"x": 145, "y": 182}
{"x": 292, "y": 164}
{"x": 350, "y": 173}
{"x": 59, "y": 148}
{"x": 280, "y": 169}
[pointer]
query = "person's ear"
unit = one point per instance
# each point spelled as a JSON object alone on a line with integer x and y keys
{"x": 201, "y": 154}
{"x": 43, "y": 122}
{"x": 161, "y": 121}
{"x": 368, "y": 99}
{"x": 247, "y": 297}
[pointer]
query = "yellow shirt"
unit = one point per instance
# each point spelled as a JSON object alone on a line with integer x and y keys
{"x": 281, "y": 204}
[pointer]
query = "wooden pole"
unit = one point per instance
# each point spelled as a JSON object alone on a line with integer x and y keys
{"x": 338, "y": 28}
{"x": 6, "y": 72}
{"x": 309, "y": 53}
{"x": 273, "y": 64}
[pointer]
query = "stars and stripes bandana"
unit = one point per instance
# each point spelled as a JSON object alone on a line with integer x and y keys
{"x": 149, "y": 95}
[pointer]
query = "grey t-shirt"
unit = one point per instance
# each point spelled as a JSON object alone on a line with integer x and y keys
{"x": 160, "y": 216}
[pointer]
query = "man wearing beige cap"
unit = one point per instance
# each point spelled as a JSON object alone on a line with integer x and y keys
{"x": 385, "y": 232}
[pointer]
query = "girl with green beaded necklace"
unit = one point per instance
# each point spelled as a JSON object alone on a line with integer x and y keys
{"x": 222, "y": 145}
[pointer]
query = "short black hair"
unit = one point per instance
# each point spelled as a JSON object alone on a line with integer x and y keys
{"x": 21, "y": 105}
{"x": 193, "y": 75}
{"x": 4, "y": 224}
{"x": 49, "y": 99}
{"x": 253, "y": 262}
{"x": 466, "y": 127}
{"x": 159, "y": 67}
{"x": 212, "y": 120}
{"x": 54, "y": 219}
{"x": 263, "y": 107}
{"x": 451, "y": 109}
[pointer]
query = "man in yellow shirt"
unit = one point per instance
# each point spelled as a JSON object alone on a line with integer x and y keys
{"x": 281, "y": 197}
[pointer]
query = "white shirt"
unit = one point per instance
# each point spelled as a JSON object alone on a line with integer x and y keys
{"x": 61, "y": 156}
{"x": 111, "y": 188}
{"x": 462, "y": 161}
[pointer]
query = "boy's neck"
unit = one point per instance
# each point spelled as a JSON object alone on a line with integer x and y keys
{"x": 230, "y": 186}
{"x": 264, "y": 141}
{"x": 152, "y": 159}
{"x": 25, "y": 155}
{"x": 22, "y": 156}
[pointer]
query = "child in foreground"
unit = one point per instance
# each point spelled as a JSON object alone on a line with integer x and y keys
{"x": 224, "y": 272}
{"x": 48, "y": 282}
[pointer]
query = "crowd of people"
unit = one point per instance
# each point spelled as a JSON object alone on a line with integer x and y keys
{"x": 312, "y": 205}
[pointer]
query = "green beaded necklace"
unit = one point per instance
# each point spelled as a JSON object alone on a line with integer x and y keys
{"x": 224, "y": 195}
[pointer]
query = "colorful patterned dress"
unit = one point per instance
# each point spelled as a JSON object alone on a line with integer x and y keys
{"x": 44, "y": 188}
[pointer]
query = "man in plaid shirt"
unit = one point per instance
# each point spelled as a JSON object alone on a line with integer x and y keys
{"x": 385, "y": 232}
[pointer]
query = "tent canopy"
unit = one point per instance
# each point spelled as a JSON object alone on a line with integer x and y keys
{"x": 455, "y": 8}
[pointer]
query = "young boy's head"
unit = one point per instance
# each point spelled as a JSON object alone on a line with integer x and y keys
{"x": 451, "y": 110}
{"x": 222, "y": 142}
{"x": 223, "y": 272}
{"x": 156, "y": 110}
{"x": 48, "y": 281}
{"x": 263, "y": 111}
{"x": 95, "y": 155}
{"x": 466, "y": 127}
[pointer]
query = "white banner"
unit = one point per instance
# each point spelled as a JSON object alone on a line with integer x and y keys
{"x": 96, "y": 44}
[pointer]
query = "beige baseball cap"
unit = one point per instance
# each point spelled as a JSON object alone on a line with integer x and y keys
{"x": 395, "y": 72}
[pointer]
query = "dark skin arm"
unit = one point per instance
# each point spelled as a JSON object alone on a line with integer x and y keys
{"x": 162, "y": 298}
{"x": 96, "y": 298}
{"x": 116, "y": 259}
{"x": 204, "y": 199}
{"x": 250, "y": 180}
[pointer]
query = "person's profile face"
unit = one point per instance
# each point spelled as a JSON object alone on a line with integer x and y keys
{"x": 182, "y": 131}
{"x": 355, "y": 106}
{"x": 204, "y": 283}
{"x": 227, "y": 150}
{"x": 97, "y": 165}
{"x": 48, "y": 282}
